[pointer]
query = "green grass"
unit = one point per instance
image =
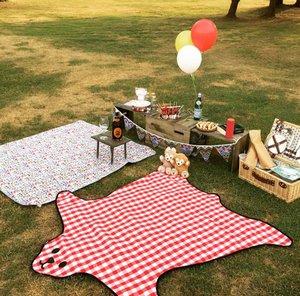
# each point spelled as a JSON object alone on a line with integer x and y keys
{"x": 64, "y": 113}
{"x": 70, "y": 60}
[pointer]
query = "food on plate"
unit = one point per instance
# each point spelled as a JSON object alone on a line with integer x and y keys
{"x": 206, "y": 126}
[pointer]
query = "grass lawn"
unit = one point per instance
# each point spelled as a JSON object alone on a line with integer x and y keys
{"x": 66, "y": 60}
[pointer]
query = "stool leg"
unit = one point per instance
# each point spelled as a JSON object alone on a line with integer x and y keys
{"x": 125, "y": 150}
{"x": 112, "y": 155}
{"x": 97, "y": 149}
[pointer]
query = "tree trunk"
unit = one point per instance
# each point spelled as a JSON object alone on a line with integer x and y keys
{"x": 233, "y": 8}
{"x": 297, "y": 4}
{"x": 271, "y": 9}
{"x": 279, "y": 3}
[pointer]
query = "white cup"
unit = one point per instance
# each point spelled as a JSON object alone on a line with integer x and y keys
{"x": 141, "y": 93}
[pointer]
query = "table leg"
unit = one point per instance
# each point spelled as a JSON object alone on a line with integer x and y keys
{"x": 112, "y": 154}
{"x": 98, "y": 143}
{"x": 205, "y": 139}
{"x": 125, "y": 151}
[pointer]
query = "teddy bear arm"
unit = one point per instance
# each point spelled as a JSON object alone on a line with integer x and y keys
{"x": 162, "y": 158}
{"x": 168, "y": 164}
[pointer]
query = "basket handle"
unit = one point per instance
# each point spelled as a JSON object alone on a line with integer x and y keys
{"x": 282, "y": 185}
{"x": 262, "y": 179}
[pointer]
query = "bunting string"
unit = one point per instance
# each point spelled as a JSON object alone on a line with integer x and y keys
{"x": 224, "y": 150}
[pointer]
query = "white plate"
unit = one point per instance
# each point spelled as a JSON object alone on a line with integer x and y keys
{"x": 140, "y": 104}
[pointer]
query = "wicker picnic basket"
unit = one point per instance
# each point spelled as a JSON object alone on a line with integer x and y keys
{"x": 288, "y": 191}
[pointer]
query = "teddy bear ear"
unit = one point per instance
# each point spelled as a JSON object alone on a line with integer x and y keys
{"x": 173, "y": 149}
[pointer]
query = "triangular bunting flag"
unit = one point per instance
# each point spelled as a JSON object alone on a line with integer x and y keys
{"x": 140, "y": 133}
{"x": 155, "y": 140}
{"x": 224, "y": 151}
{"x": 205, "y": 152}
{"x": 195, "y": 152}
{"x": 128, "y": 123}
{"x": 170, "y": 143}
{"x": 186, "y": 149}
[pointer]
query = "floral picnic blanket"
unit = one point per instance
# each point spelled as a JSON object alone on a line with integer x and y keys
{"x": 130, "y": 238}
{"x": 34, "y": 169}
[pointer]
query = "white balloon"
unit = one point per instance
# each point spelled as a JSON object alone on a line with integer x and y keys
{"x": 189, "y": 59}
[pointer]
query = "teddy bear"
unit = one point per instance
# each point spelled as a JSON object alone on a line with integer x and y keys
{"x": 181, "y": 165}
{"x": 166, "y": 159}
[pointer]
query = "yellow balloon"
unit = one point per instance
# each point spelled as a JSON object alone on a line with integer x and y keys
{"x": 183, "y": 38}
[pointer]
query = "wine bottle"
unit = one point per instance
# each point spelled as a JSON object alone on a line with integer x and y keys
{"x": 198, "y": 108}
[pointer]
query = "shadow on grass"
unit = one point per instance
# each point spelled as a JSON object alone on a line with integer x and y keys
{"x": 9, "y": 132}
{"x": 16, "y": 83}
{"x": 132, "y": 36}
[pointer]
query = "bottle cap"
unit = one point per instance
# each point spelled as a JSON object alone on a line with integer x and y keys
{"x": 199, "y": 94}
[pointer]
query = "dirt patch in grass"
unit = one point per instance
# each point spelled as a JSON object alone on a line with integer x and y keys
{"x": 131, "y": 171}
{"x": 240, "y": 286}
{"x": 270, "y": 218}
{"x": 268, "y": 262}
{"x": 75, "y": 96}
{"x": 36, "y": 285}
{"x": 225, "y": 83}
{"x": 48, "y": 223}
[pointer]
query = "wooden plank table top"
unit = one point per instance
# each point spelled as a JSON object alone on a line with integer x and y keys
{"x": 106, "y": 138}
{"x": 219, "y": 136}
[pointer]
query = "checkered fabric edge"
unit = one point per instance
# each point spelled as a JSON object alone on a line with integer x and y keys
{"x": 140, "y": 231}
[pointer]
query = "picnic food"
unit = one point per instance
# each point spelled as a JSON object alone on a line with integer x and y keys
{"x": 258, "y": 152}
{"x": 169, "y": 111}
{"x": 206, "y": 126}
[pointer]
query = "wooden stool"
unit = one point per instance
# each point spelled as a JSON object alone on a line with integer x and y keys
{"x": 106, "y": 138}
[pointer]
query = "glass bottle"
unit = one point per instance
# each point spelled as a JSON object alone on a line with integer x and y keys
{"x": 117, "y": 126}
{"x": 198, "y": 108}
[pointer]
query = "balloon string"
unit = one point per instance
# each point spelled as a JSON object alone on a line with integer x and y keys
{"x": 193, "y": 80}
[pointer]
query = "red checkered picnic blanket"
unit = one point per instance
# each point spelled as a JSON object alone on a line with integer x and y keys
{"x": 157, "y": 223}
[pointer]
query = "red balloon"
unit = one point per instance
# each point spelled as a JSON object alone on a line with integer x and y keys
{"x": 204, "y": 34}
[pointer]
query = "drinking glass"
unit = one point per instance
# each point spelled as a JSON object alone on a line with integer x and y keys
{"x": 153, "y": 100}
{"x": 103, "y": 124}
